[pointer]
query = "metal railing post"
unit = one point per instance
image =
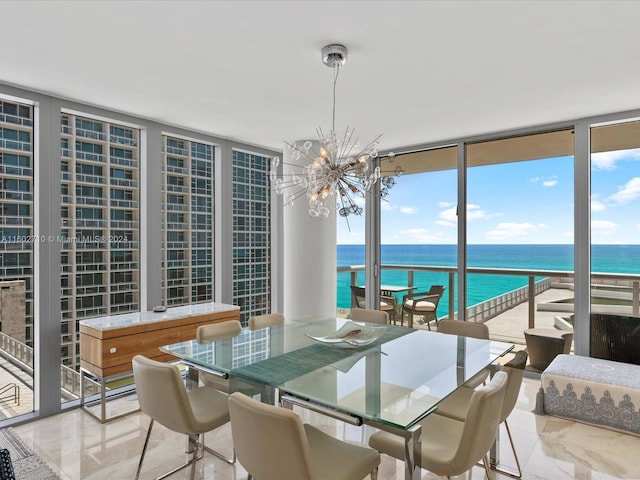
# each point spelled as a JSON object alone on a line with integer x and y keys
{"x": 532, "y": 301}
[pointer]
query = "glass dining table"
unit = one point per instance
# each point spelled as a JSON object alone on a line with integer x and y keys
{"x": 391, "y": 383}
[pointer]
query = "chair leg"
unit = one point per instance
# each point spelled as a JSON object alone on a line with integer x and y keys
{"x": 195, "y": 455}
{"x": 374, "y": 474}
{"x": 230, "y": 461}
{"x": 515, "y": 456}
{"x": 487, "y": 467}
{"x": 144, "y": 449}
{"x": 197, "y": 447}
{"x": 504, "y": 471}
{"x": 513, "y": 448}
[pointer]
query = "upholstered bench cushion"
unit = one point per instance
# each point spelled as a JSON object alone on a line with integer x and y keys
{"x": 591, "y": 390}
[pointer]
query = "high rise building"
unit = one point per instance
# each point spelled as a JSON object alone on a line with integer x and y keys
{"x": 17, "y": 241}
{"x": 99, "y": 185}
{"x": 187, "y": 221}
{"x": 251, "y": 233}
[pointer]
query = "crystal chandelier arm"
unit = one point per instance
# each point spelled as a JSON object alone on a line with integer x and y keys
{"x": 297, "y": 194}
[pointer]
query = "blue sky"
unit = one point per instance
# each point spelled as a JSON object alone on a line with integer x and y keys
{"x": 529, "y": 202}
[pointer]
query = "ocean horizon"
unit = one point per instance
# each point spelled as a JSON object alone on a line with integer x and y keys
{"x": 559, "y": 257}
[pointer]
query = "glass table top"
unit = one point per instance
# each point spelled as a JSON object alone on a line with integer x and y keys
{"x": 396, "y": 380}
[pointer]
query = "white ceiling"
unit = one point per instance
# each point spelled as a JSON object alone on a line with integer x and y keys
{"x": 418, "y": 71}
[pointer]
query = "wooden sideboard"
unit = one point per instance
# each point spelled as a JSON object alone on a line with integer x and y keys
{"x": 107, "y": 344}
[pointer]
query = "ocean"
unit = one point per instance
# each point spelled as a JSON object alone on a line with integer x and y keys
{"x": 604, "y": 258}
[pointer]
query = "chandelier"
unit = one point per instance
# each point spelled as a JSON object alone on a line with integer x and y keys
{"x": 338, "y": 168}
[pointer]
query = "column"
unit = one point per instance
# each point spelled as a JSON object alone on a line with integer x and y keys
{"x": 309, "y": 256}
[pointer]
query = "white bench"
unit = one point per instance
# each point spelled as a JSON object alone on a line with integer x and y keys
{"x": 591, "y": 390}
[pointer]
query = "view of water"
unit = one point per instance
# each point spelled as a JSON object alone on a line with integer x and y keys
{"x": 605, "y": 258}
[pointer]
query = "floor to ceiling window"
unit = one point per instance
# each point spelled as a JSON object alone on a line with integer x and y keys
{"x": 71, "y": 229}
{"x": 615, "y": 248}
{"x": 17, "y": 246}
{"x": 100, "y": 214}
{"x": 520, "y": 224}
{"x": 418, "y": 226}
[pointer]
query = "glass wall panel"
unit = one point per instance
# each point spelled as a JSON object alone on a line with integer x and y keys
{"x": 615, "y": 244}
{"x": 418, "y": 229}
{"x": 17, "y": 246}
{"x": 350, "y": 256}
{"x": 100, "y": 225}
{"x": 520, "y": 197}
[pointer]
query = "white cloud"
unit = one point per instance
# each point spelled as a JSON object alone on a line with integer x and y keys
{"x": 567, "y": 234}
{"x": 449, "y": 215}
{"x": 444, "y": 204}
{"x": 607, "y": 160}
{"x": 506, "y": 230}
{"x": 474, "y": 212}
{"x": 409, "y": 210}
{"x": 597, "y": 205}
{"x": 546, "y": 181}
{"x": 604, "y": 226}
{"x": 387, "y": 207}
{"x": 628, "y": 192}
{"x": 445, "y": 223}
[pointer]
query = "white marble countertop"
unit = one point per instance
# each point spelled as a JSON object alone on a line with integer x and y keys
{"x": 140, "y": 318}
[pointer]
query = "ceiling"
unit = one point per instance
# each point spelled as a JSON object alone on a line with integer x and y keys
{"x": 417, "y": 72}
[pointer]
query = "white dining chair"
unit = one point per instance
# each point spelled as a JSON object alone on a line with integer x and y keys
{"x": 272, "y": 443}
{"x": 163, "y": 396}
{"x": 450, "y": 446}
{"x": 267, "y": 320}
{"x": 368, "y": 315}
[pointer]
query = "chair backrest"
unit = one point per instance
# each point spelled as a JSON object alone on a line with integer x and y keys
{"x": 515, "y": 371}
{"x": 358, "y": 294}
{"x": 464, "y": 329}
{"x": 264, "y": 321}
{"x": 269, "y": 441}
{"x": 218, "y": 330}
{"x": 368, "y": 315}
{"x": 163, "y": 396}
{"x": 481, "y": 423}
{"x": 436, "y": 290}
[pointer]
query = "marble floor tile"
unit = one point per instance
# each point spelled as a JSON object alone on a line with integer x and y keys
{"x": 78, "y": 447}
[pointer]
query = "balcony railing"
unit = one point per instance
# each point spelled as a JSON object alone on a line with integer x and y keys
{"x": 501, "y": 303}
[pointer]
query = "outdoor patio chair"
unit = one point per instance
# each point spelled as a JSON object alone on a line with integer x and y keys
{"x": 424, "y": 304}
{"x": 387, "y": 303}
